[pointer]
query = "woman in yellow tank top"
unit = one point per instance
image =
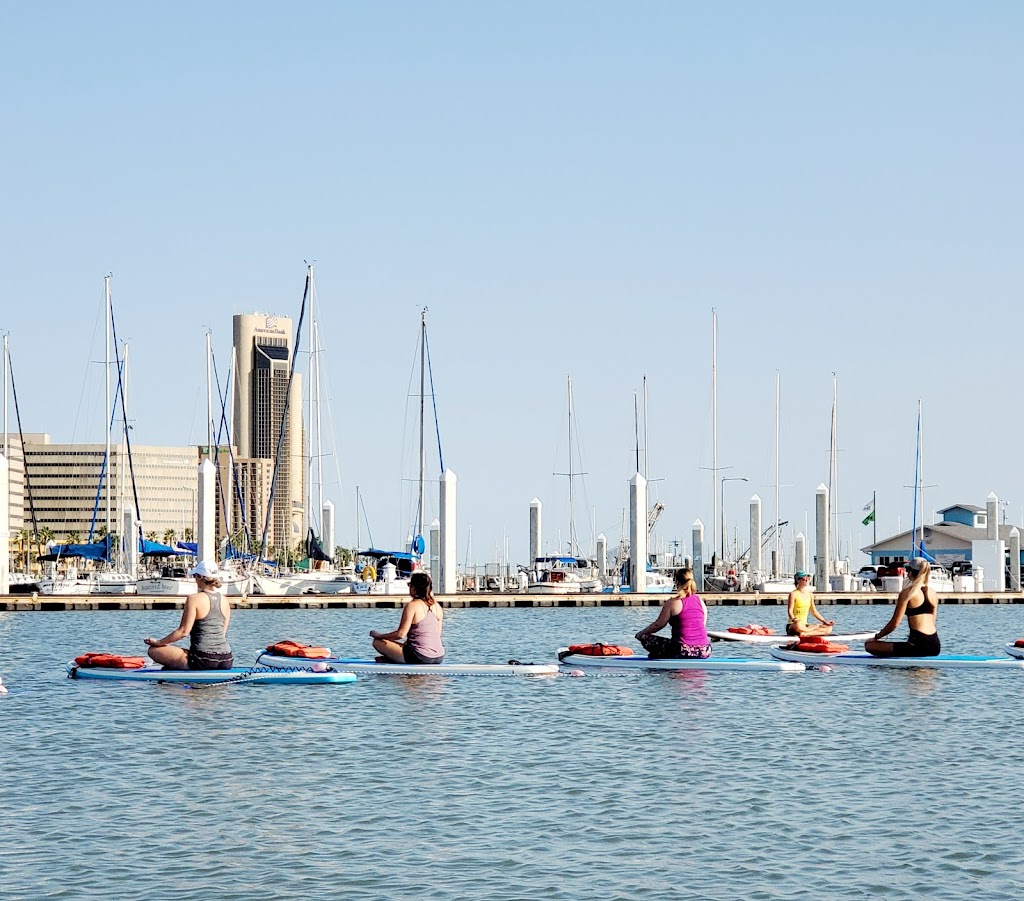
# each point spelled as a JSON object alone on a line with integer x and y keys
{"x": 801, "y": 605}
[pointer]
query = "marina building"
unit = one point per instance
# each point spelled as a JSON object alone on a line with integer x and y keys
{"x": 68, "y": 497}
{"x": 263, "y": 355}
{"x": 16, "y": 481}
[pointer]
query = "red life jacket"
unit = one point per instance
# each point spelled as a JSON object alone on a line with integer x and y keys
{"x": 817, "y": 644}
{"x": 114, "y": 661}
{"x": 291, "y": 648}
{"x": 750, "y": 629}
{"x": 600, "y": 650}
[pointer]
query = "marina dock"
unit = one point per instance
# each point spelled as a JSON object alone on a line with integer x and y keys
{"x": 476, "y": 600}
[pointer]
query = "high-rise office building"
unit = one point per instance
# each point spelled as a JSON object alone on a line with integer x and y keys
{"x": 263, "y": 351}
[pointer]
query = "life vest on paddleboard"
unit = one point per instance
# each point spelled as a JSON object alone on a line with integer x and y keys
{"x": 817, "y": 644}
{"x": 600, "y": 649}
{"x": 750, "y": 629}
{"x": 290, "y": 648}
{"x": 114, "y": 661}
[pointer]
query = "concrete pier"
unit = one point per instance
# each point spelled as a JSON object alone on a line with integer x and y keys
{"x": 484, "y": 599}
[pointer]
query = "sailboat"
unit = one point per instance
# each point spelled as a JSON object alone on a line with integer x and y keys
{"x": 318, "y": 574}
{"x": 939, "y": 578}
{"x": 776, "y": 582}
{"x": 390, "y": 570}
{"x": 571, "y": 572}
{"x": 113, "y": 578}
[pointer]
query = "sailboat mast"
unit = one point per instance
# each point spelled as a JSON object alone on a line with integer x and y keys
{"x": 776, "y": 569}
{"x": 319, "y": 434}
{"x": 106, "y": 373}
{"x": 310, "y": 401}
{"x": 646, "y": 463}
{"x": 572, "y": 527}
{"x": 7, "y": 446}
{"x": 423, "y": 385}
{"x": 833, "y": 472}
{"x": 209, "y": 395}
{"x": 919, "y": 499}
{"x": 714, "y": 418}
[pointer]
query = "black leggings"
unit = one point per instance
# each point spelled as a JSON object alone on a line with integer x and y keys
{"x": 918, "y": 644}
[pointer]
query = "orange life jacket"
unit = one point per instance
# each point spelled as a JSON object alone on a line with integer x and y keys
{"x": 817, "y": 644}
{"x": 291, "y": 648}
{"x": 600, "y": 650}
{"x": 114, "y": 661}
{"x": 750, "y": 629}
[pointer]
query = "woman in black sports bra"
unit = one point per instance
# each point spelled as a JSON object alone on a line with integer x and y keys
{"x": 917, "y": 601}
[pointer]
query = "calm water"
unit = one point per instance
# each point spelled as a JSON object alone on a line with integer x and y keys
{"x": 852, "y": 784}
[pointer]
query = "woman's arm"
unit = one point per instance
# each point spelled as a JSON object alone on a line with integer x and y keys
{"x": 188, "y": 618}
{"x": 659, "y": 623}
{"x": 404, "y": 624}
{"x": 790, "y": 605}
{"x": 897, "y": 614}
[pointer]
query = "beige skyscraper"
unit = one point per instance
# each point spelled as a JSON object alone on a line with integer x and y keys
{"x": 263, "y": 350}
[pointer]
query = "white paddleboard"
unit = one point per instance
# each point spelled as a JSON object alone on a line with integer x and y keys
{"x": 1015, "y": 651}
{"x": 710, "y": 664}
{"x": 784, "y": 639}
{"x": 357, "y": 665}
{"x": 852, "y": 658}
{"x": 264, "y": 676}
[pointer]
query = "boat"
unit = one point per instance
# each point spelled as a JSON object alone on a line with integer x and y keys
{"x": 706, "y": 664}
{"x": 779, "y": 640}
{"x": 238, "y": 675}
{"x": 361, "y": 665}
{"x": 564, "y": 575}
{"x": 862, "y": 658}
{"x": 174, "y": 581}
{"x": 1014, "y": 650}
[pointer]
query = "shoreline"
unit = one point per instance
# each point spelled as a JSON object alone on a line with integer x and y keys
{"x": 476, "y": 601}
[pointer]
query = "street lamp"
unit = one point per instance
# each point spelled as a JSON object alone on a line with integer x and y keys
{"x": 729, "y": 479}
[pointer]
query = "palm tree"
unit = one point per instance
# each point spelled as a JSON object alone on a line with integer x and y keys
{"x": 169, "y": 537}
{"x": 73, "y": 537}
{"x": 151, "y": 536}
{"x": 189, "y": 534}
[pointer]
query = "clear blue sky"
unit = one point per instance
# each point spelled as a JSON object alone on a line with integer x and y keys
{"x": 570, "y": 188}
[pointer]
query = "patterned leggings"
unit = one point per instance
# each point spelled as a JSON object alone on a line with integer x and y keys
{"x": 659, "y": 647}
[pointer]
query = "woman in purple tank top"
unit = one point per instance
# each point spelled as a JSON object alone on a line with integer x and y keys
{"x": 418, "y": 636}
{"x": 687, "y": 616}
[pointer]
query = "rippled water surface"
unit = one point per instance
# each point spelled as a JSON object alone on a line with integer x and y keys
{"x": 881, "y": 784}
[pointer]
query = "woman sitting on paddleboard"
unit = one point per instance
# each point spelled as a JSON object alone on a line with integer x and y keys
{"x": 418, "y": 636}
{"x": 917, "y": 600}
{"x": 801, "y": 605}
{"x": 687, "y": 616}
{"x": 205, "y": 620}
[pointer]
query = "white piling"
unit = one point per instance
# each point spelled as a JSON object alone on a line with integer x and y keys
{"x": 1014, "y": 559}
{"x": 327, "y": 521}
{"x": 698, "y": 554}
{"x": 822, "y": 562}
{"x": 206, "y": 540}
{"x": 536, "y": 508}
{"x": 992, "y": 506}
{"x": 755, "y": 534}
{"x": 447, "y": 580}
{"x": 602, "y": 556}
{"x": 435, "y": 549}
{"x": 130, "y": 541}
{"x": 799, "y": 553}
{"x": 638, "y": 533}
{"x": 5, "y": 526}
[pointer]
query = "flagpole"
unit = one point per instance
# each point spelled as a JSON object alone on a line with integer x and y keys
{"x": 874, "y": 522}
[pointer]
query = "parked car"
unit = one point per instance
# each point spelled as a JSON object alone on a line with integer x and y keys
{"x": 871, "y": 573}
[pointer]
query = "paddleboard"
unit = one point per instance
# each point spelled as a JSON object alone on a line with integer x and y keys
{"x": 852, "y": 658}
{"x": 783, "y": 639}
{"x": 357, "y": 665}
{"x": 1015, "y": 651}
{"x": 710, "y": 664}
{"x": 262, "y": 675}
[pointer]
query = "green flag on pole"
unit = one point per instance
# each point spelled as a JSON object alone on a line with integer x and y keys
{"x": 870, "y": 518}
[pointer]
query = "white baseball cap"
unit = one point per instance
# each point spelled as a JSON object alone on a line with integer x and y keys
{"x": 207, "y": 569}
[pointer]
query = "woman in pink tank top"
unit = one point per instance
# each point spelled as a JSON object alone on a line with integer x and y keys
{"x": 418, "y": 636}
{"x": 687, "y": 616}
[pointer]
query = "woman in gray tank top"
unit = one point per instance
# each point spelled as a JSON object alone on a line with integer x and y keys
{"x": 418, "y": 636}
{"x": 205, "y": 620}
